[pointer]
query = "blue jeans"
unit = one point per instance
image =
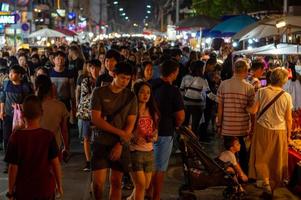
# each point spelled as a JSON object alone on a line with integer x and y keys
{"x": 162, "y": 150}
{"x": 80, "y": 128}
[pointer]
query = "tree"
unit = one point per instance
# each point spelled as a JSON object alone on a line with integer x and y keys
{"x": 217, "y": 8}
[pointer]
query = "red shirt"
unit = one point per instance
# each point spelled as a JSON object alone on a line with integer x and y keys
{"x": 32, "y": 151}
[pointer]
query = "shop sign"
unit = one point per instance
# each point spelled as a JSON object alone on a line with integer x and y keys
{"x": 7, "y": 19}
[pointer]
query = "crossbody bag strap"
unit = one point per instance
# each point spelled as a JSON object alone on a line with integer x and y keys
{"x": 269, "y": 104}
{"x": 189, "y": 85}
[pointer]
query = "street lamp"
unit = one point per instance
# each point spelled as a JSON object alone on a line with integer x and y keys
{"x": 115, "y": 2}
{"x": 120, "y": 9}
{"x": 148, "y": 6}
{"x": 148, "y": 11}
{"x": 123, "y": 14}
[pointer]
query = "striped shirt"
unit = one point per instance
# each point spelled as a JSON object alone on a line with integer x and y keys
{"x": 235, "y": 95}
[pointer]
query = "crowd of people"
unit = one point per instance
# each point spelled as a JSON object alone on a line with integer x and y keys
{"x": 127, "y": 98}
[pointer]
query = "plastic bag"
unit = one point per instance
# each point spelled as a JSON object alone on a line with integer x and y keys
{"x": 18, "y": 121}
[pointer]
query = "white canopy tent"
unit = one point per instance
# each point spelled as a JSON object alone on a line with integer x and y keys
{"x": 46, "y": 32}
{"x": 271, "y": 49}
{"x": 267, "y": 27}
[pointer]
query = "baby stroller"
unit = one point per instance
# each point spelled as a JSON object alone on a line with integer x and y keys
{"x": 202, "y": 172}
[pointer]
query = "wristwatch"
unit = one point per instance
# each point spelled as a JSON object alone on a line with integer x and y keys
{"x": 9, "y": 195}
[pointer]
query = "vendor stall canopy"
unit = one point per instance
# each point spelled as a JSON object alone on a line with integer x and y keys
{"x": 272, "y": 49}
{"x": 231, "y": 26}
{"x": 200, "y": 21}
{"x": 46, "y": 32}
{"x": 270, "y": 26}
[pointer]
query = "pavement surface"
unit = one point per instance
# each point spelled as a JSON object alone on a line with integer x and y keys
{"x": 76, "y": 183}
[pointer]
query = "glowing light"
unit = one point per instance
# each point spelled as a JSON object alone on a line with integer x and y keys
{"x": 234, "y": 44}
{"x": 208, "y": 40}
{"x": 281, "y": 24}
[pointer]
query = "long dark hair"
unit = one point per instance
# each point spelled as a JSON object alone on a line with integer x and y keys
{"x": 151, "y": 104}
{"x": 43, "y": 86}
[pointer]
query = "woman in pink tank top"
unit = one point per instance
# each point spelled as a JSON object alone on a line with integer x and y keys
{"x": 144, "y": 135}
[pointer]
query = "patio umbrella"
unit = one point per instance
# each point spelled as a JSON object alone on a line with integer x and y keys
{"x": 267, "y": 27}
{"x": 232, "y": 25}
{"x": 46, "y": 32}
{"x": 200, "y": 21}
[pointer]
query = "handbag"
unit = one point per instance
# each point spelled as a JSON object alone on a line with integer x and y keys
{"x": 269, "y": 104}
{"x": 18, "y": 121}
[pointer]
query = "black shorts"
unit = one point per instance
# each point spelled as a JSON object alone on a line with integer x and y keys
{"x": 101, "y": 158}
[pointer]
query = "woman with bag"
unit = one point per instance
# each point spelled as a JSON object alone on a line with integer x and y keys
{"x": 269, "y": 150}
{"x": 194, "y": 88}
{"x": 83, "y": 109}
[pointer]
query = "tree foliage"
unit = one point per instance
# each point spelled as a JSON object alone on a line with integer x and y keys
{"x": 217, "y": 8}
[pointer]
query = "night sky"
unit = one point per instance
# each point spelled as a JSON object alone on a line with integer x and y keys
{"x": 136, "y": 9}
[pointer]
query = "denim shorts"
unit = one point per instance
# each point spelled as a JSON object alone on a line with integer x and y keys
{"x": 142, "y": 161}
{"x": 162, "y": 150}
{"x": 86, "y": 128}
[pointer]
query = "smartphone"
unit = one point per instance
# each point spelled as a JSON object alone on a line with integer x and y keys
{"x": 263, "y": 82}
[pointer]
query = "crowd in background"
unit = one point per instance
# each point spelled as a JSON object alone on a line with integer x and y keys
{"x": 127, "y": 97}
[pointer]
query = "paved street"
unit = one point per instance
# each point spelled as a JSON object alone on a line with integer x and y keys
{"x": 76, "y": 182}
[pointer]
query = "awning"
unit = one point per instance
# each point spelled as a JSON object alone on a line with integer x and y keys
{"x": 200, "y": 21}
{"x": 272, "y": 49}
{"x": 267, "y": 27}
{"x": 231, "y": 26}
{"x": 46, "y": 32}
{"x": 67, "y": 32}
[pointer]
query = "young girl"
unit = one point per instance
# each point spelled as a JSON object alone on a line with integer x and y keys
{"x": 144, "y": 135}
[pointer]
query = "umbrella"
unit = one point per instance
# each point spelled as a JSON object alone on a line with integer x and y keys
{"x": 46, "y": 32}
{"x": 267, "y": 27}
{"x": 200, "y": 21}
{"x": 232, "y": 25}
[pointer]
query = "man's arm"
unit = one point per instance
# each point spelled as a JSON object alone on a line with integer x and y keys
{"x": 77, "y": 95}
{"x": 12, "y": 175}
{"x": 289, "y": 122}
{"x": 64, "y": 132}
{"x": 179, "y": 117}
{"x": 129, "y": 127}
{"x": 56, "y": 166}
{"x": 102, "y": 124}
{"x": 2, "y": 111}
{"x": 253, "y": 108}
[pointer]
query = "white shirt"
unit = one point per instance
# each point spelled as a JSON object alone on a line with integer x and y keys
{"x": 228, "y": 156}
{"x": 274, "y": 117}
